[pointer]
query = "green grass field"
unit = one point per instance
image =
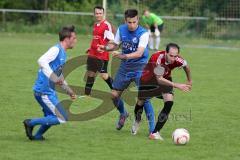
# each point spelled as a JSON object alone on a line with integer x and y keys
{"x": 210, "y": 111}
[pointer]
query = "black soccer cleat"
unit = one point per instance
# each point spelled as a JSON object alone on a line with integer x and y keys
{"x": 28, "y": 129}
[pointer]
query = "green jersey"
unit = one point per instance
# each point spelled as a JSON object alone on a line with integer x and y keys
{"x": 152, "y": 19}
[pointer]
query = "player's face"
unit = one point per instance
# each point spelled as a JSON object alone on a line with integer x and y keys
{"x": 132, "y": 23}
{"x": 172, "y": 55}
{"x": 98, "y": 13}
{"x": 146, "y": 14}
{"x": 72, "y": 40}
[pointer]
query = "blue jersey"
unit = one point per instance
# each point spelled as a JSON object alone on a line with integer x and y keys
{"x": 130, "y": 41}
{"x": 43, "y": 84}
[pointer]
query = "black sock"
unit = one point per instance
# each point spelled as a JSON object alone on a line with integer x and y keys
{"x": 163, "y": 116}
{"x": 109, "y": 81}
{"x": 89, "y": 85}
{"x": 138, "y": 112}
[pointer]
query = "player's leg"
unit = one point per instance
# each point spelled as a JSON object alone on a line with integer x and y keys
{"x": 53, "y": 114}
{"x": 92, "y": 67}
{"x": 104, "y": 74}
{"x": 137, "y": 116}
{"x": 163, "y": 116}
{"x": 144, "y": 97}
{"x": 151, "y": 37}
{"x": 119, "y": 104}
{"x": 148, "y": 108}
{"x": 158, "y": 38}
{"x": 120, "y": 83}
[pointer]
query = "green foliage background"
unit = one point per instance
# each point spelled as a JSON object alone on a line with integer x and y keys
{"x": 50, "y": 23}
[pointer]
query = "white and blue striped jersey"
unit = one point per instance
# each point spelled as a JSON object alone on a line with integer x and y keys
{"x": 130, "y": 41}
{"x": 50, "y": 62}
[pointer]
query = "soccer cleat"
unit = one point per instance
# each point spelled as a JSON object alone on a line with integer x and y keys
{"x": 155, "y": 136}
{"x": 121, "y": 121}
{"x": 28, "y": 129}
{"x": 135, "y": 127}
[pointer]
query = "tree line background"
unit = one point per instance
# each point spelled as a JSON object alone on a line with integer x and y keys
{"x": 25, "y": 22}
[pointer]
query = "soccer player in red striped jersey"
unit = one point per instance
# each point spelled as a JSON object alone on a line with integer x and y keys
{"x": 98, "y": 61}
{"x": 156, "y": 81}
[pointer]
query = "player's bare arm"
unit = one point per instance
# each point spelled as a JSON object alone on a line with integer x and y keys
{"x": 180, "y": 86}
{"x": 133, "y": 55}
{"x": 188, "y": 74}
{"x": 67, "y": 89}
{"x": 111, "y": 46}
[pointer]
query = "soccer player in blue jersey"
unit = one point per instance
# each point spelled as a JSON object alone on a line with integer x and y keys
{"x": 50, "y": 74}
{"x": 133, "y": 39}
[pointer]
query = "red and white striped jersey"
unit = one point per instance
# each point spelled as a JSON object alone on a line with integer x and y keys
{"x": 102, "y": 34}
{"x": 159, "y": 59}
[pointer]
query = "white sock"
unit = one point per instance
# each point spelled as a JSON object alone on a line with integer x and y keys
{"x": 157, "y": 42}
{"x": 151, "y": 42}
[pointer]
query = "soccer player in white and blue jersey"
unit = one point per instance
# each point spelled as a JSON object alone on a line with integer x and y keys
{"x": 134, "y": 40}
{"x": 50, "y": 74}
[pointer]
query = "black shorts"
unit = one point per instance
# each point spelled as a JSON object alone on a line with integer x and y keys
{"x": 97, "y": 65}
{"x": 147, "y": 91}
{"x": 160, "y": 28}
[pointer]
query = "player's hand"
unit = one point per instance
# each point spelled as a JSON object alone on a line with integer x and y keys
{"x": 182, "y": 87}
{"x": 59, "y": 81}
{"x": 88, "y": 50}
{"x": 101, "y": 48}
{"x": 119, "y": 55}
{"x": 73, "y": 96}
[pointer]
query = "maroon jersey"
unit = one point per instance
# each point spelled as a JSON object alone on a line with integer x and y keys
{"x": 159, "y": 58}
{"x": 100, "y": 38}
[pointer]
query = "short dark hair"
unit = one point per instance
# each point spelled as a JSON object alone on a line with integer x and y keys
{"x": 98, "y": 7}
{"x": 172, "y": 45}
{"x": 66, "y": 32}
{"x": 130, "y": 13}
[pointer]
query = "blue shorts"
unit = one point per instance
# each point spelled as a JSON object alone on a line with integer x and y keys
{"x": 122, "y": 80}
{"x": 51, "y": 106}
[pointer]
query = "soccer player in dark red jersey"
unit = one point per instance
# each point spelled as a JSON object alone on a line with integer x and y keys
{"x": 156, "y": 81}
{"x": 98, "y": 61}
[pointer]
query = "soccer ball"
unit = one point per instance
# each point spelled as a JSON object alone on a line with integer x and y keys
{"x": 180, "y": 136}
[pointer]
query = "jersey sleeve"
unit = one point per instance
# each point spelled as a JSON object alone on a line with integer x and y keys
{"x": 143, "y": 40}
{"x": 46, "y": 58}
{"x": 117, "y": 39}
{"x": 108, "y": 33}
{"x": 180, "y": 62}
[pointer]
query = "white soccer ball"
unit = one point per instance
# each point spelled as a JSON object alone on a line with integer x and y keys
{"x": 181, "y": 136}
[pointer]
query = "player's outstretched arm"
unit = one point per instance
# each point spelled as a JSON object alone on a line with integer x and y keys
{"x": 180, "y": 86}
{"x": 68, "y": 90}
{"x": 132, "y": 55}
{"x": 188, "y": 74}
{"x": 111, "y": 46}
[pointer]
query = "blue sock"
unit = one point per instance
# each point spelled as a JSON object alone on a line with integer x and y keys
{"x": 150, "y": 115}
{"x": 48, "y": 120}
{"x": 42, "y": 130}
{"x": 120, "y": 105}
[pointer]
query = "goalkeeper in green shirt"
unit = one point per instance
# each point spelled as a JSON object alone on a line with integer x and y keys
{"x": 154, "y": 24}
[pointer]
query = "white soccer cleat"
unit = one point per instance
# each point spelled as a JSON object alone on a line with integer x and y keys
{"x": 155, "y": 136}
{"x": 135, "y": 127}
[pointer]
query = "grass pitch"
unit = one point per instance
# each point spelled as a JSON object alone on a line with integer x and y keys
{"x": 210, "y": 111}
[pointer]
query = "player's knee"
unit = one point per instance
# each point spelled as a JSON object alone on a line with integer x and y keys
{"x": 114, "y": 95}
{"x": 104, "y": 76}
{"x": 91, "y": 74}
